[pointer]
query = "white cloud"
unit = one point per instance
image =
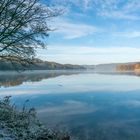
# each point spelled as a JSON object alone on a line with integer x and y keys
{"x": 118, "y": 9}
{"x": 68, "y": 3}
{"x": 132, "y": 34}
{"x": 132, "y": 5}
{"x": 90, "y": 55}
{"x": 86, "y": 4}
{"x": 118, "y": 15}
{"x": 71, "y": 30}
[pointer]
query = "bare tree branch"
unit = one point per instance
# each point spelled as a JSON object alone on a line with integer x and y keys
{"x": 23, "y": 25}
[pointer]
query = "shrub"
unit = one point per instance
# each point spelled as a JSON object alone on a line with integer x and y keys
{"x": 23, "y": 124}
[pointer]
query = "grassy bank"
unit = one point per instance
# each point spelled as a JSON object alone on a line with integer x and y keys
{"x": 23, "y": 124}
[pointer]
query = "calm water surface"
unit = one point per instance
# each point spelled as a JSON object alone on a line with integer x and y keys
{"x": 90, "y": 106}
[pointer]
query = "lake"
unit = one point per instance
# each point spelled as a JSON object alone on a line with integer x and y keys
{"x": 89, "y": 105}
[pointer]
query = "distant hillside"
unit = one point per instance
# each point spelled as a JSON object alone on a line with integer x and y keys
{"x": 38, "y": 65}
{"x": 129, "y": 67}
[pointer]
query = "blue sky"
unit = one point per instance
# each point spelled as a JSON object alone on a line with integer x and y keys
{"x": 94, "y": 31}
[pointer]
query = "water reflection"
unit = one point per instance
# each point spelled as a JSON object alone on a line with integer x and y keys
{"x": 8, "y": 79}
{"x": 66, "y": 82}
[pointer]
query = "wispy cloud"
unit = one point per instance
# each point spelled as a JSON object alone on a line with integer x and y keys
{"x": 132, "y": 34}
{"x": 69, "y": 3}
{"x": 116, "y": 14}
{"x": 86, "y": 4}
{"x": 90, "y": 55}
{"x": 70, "y": 30}
{"x": 116, "y": 9}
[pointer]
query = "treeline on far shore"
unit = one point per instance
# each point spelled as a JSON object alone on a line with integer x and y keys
{"x": 37, "y": 64}
{"x": 128, "y": 67}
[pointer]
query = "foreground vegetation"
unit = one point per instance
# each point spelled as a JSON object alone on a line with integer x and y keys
{"x": 24, "y": 125}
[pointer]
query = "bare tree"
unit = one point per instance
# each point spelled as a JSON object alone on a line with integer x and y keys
{"x": 23, "y": 26}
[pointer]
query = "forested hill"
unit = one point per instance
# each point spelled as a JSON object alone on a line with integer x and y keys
{"x": 38, "y": 65}
{"x": 129, "y": 67}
